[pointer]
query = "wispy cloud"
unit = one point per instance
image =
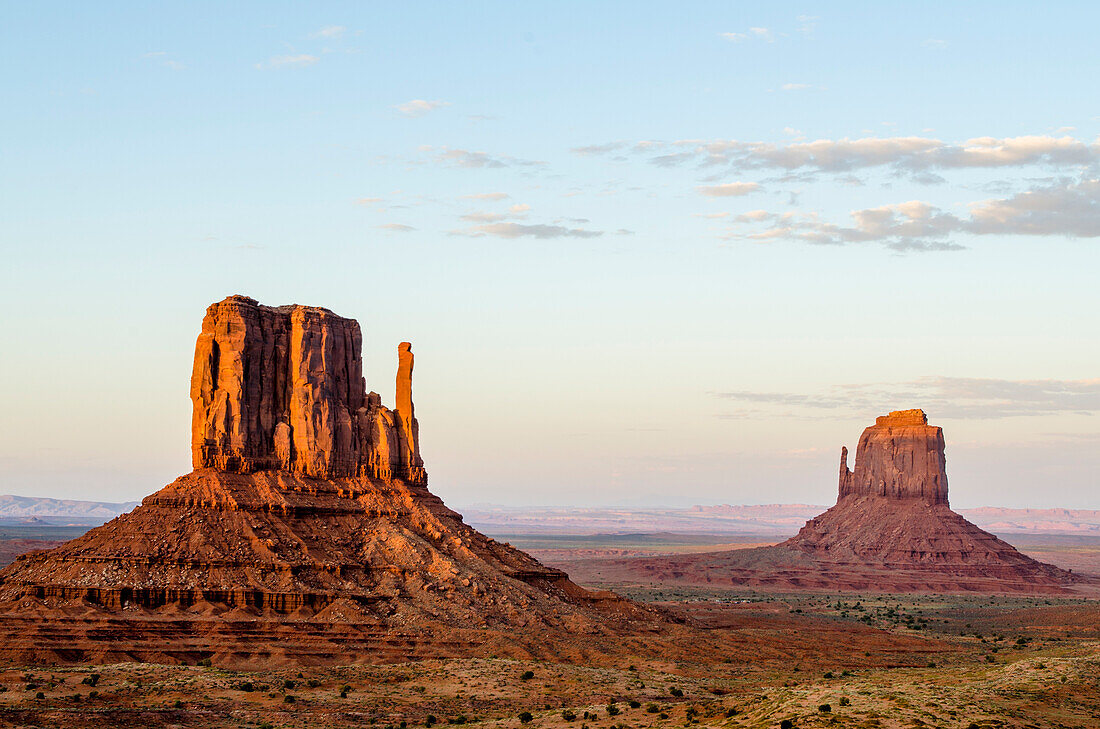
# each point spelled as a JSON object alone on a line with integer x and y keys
{"x": 910, "y": 155}
{"x": 728, "y": 189}
{"x": 796, "y": 87}
{"x": 397, "y": 228}
{"x": 493, "y": 196}
{"x": 419, "y": 107}
{"x": 752, "y": 33}
{"x": 1063, "y": 208}
{"x": 471, "y": 159}
{"x": 946, "y": 397}
{"x": 519, "y": 230}
{"x": 300, "y": 60}
{"x": 329, "y": 32}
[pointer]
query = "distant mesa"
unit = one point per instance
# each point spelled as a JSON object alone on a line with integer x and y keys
{"x": 306, "y": 532}
{"x": 891, "y": 530}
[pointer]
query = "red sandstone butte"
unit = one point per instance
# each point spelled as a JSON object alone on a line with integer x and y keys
{"x": 891, "y": 530}
{"x": 306, "y": 532}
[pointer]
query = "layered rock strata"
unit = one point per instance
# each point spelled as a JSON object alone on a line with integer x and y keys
{"x": 309, "y": 506}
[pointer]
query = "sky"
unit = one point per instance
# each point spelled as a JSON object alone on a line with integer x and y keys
{"x": 648, "y": 254}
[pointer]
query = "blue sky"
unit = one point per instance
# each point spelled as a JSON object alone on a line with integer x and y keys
{"x": 646, "y": 253}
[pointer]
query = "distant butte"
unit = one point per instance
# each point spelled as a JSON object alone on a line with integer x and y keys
{"x": 891, "y": 530}
{"x": 305, "y": 534}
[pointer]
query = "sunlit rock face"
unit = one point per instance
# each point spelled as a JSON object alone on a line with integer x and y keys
{"x": 901, "y": 456}
{"x": 283, "y": 388}
{"x": 306, "y": 532}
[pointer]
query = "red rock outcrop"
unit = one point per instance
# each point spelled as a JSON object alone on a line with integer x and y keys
{"x": 891, "y": 530}
{"x": 309, "y": 505}
{"x": 901, "y": 456}
{"x": 283, "y": 388}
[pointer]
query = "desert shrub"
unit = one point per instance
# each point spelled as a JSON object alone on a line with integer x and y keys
{"x": 825, "y": 709}
{"x": 178, "y": 704}
{"x": 675, "y": 691}
{"x": 568, "y": 715}
{"x": 246, "y": 686}
{"x": 786, "y": 724}
{"x": 731, "y": 712}
{"x": 288, "y": 684}
{"x": 460, "y": 719}
{"x": 612, "y": 710}
{"x": 527, "y": 675}
{"x": 845, "y": 701}
{"x": 633, "y": 704}
{"x": 525, "y": 716}
{"x": 313, "y": 683}
{"x": 289, "y": 699}
{"x": 205, "y": 663}
{"x": 40, "y": 695}
{"x": 265, "y": 725}
{"x": 652, "y": 708}
{"x": 91, "y": 680}
{"x": 828, "y": 674}
{"x": 430, "y": 720}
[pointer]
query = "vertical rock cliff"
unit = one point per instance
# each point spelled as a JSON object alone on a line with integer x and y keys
{"x": 901, "y": 456}
{"x": 283, "y": 388}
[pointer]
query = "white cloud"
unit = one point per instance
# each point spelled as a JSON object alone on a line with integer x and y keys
{"x": 728, "y": 189}
{"x": 397, "y": 227}
{"x": 419, "y": 107}
{"x": 947, "y": 397}
{"x": 471, "y": 159}
{"x": 329, "y": 32}
{"x": 300, "y": 60}
{"x": 759, "y": 33}
{"x": 1064, "y": 208}
{"x": 486, "y": 196}
{"x": 910, "y": 155}
{"x": 795, "y": 87}
{"x": 519, "y": 230}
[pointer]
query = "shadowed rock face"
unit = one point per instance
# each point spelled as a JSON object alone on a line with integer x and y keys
{"x": 283, "y": 388}
{"x": 900, "y": 457}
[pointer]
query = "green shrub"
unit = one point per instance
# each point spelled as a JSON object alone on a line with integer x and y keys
{"x": 786, "y": 724}
{"x": 612, "y": 710}
{"x": 825, "y": 709}
{"x": 527, "y": 675}
{"x": 678, "y": 693}
{"x": 525, "y": 716}
{"x": 652, "y": 708}
{"x": 633, "y": 704}
{"x": 289, "y": 699}
{"x": 845, "y": 701}
{"x": 568, "y": 715}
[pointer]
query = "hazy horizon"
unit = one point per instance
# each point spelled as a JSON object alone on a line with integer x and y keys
{"x": 665, "y": 256}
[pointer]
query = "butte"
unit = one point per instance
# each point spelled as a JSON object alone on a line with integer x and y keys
{"x": 305, "y": 534}
{"x": 891, "y": 530}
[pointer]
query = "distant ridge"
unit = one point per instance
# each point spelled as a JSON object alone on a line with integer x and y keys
{"x": 18, "y": 507}
{"x": 763, "y": 519}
